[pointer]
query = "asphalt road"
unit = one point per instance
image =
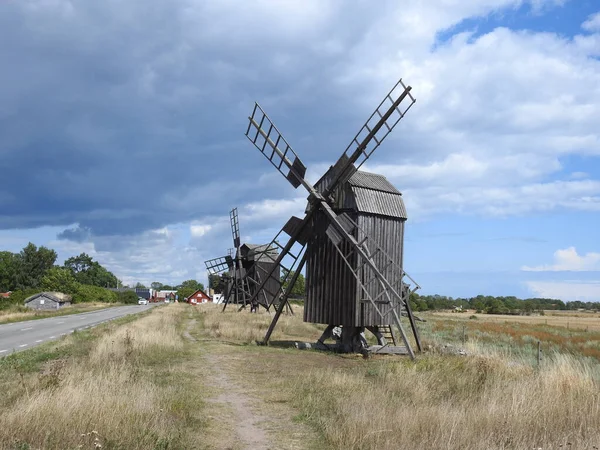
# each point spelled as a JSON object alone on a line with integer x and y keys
{"x": 23, "y": 335}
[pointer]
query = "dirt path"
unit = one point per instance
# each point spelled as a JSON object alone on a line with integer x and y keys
{"x": 239, "y": 416}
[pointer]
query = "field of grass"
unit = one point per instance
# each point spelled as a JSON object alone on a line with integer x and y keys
{"x": 183, "y": 377}
{"x": 520, "y": 334}
{"x": 120, "y": 385}
{"x": 21, "y": 313}
{"x": 491, "y": 398}
{"x": 572, "y": 320}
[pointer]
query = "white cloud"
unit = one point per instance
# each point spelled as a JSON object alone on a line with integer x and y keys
{"x": 592, "y": 23}
{"x": 155, "y": 255}
{"x": 273, "y": 210}
{"x": 502, "y": 201}
{"x": 199, "y": 230}
{"x": 569, "y": 260}
{"x": 566, "y": 291}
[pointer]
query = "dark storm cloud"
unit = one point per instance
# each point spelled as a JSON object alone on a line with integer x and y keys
{"x": 126, "y": 116}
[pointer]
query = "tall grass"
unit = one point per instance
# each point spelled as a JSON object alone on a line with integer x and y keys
{"x": 454, "y": 402}
{"x": 517, "y": 337}
{"x": 489, "y": 399}
{"x": 116, "y": 397}
{"x": 248, "y": 327}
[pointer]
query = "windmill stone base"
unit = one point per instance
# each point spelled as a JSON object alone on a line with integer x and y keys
{"x": 350, "y": 339}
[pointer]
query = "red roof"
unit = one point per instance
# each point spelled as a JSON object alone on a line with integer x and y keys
{"x": 5, "y": 294}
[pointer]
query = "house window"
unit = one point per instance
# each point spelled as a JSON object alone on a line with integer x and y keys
{"x": 42, "y": 301}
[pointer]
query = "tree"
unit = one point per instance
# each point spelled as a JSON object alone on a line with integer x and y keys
{"x": 140, "y": 286}
{"x": 33, "y": 263}
{"x": 299, "y": 288}
{"x": 87, "y": 271}
{"x": 187, "y": 288}
{"x": 8, "y": 271}
{"x": 216, "y": 283}
{"x": 192, "y": 284}
{"x": 156, "y": 285}
{"x": 59, "y": 279}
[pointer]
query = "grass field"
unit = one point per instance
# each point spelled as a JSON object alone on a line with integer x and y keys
{"x": 575, "y": 334}
{"x": 20, "y": 313}
{"x": 183, "y": 377}
{"x": 573, "y": 320}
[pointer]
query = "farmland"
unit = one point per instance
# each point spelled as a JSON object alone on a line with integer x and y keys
{"x": 192, "y": 377}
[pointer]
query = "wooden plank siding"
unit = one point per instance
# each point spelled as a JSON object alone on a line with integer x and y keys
{"x": 387, "y": 232}
{"x": 259, "y": 271}
{"x": 333, "y": 295}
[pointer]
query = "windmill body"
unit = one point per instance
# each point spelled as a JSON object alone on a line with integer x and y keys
{"x": 351, "y": 237}
{"x": 259, "y": 263}
{"x": 333, "y": 294}
{"x": 244, "y": 269}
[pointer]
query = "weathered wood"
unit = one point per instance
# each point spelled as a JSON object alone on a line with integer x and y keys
{"x": 387, "y": 350}
{"x": 340, "y": 348}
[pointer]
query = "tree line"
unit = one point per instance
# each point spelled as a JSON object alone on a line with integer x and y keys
{"x": 497, "y": 305}
{"x": 480, "y": 303}
{"x": 34, "y": 270}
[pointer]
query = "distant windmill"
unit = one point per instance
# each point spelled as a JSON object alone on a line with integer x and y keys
{"x": 351, "y": 237}
{"x": 243, "y": 270}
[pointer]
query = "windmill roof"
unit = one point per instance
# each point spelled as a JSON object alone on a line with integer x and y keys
{"x": 379, "y": 202}
{"x": 372, "y": 181}
{"x": 374, "y": 194}
{"x": 259, "y": 252}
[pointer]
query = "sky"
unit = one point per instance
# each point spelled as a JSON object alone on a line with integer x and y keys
{"x": 122, "y": 131}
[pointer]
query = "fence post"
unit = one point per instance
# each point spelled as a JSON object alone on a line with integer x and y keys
{"x": 539, "y": 353}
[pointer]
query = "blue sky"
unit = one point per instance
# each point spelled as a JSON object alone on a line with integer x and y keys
{"x": 122, "y": 130}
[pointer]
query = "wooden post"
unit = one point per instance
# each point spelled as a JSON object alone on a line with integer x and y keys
{"x": 463, "y": 335}
{"x": 539, "y": 353}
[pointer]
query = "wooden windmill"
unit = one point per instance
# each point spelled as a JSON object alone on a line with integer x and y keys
{"x": 243, "y": 270}
{"x": 351, "y": 237}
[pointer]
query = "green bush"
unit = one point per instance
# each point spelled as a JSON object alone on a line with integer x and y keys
{"x": 18, "y": 297}
{"x": 128, "y": 297}
{"x": 85, "y": 293}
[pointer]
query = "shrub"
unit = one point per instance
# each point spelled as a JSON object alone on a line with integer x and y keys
{"x": 127, "y": 297}
{"x": 87, "y": 293}
{"x": 473, "y": 317}
{"x": 18, "y": 297}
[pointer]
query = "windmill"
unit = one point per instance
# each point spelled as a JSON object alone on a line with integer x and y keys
{"x": 353, "y": 252}
{"x": 243, "y": 270}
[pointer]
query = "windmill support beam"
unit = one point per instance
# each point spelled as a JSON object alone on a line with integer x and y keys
{"x": 284, "y": 300}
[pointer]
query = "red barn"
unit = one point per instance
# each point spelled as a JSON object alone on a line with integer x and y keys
{"x": 199, "y": 297}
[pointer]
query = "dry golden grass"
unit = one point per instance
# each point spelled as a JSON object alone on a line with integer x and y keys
{"x": 249, "y": 327}
{"x": 19, "y": 313}
{"x": 117, "y": 397}
{"x": 484, "y": 400}
{"x": 575, "y": 320}
{"x": 516, "y": 335}
{"x": 454, "y": 403}
{"x": 140, "y": 385}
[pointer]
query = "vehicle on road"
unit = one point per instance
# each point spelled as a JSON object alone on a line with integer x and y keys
{"x": 142, "y": 301}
